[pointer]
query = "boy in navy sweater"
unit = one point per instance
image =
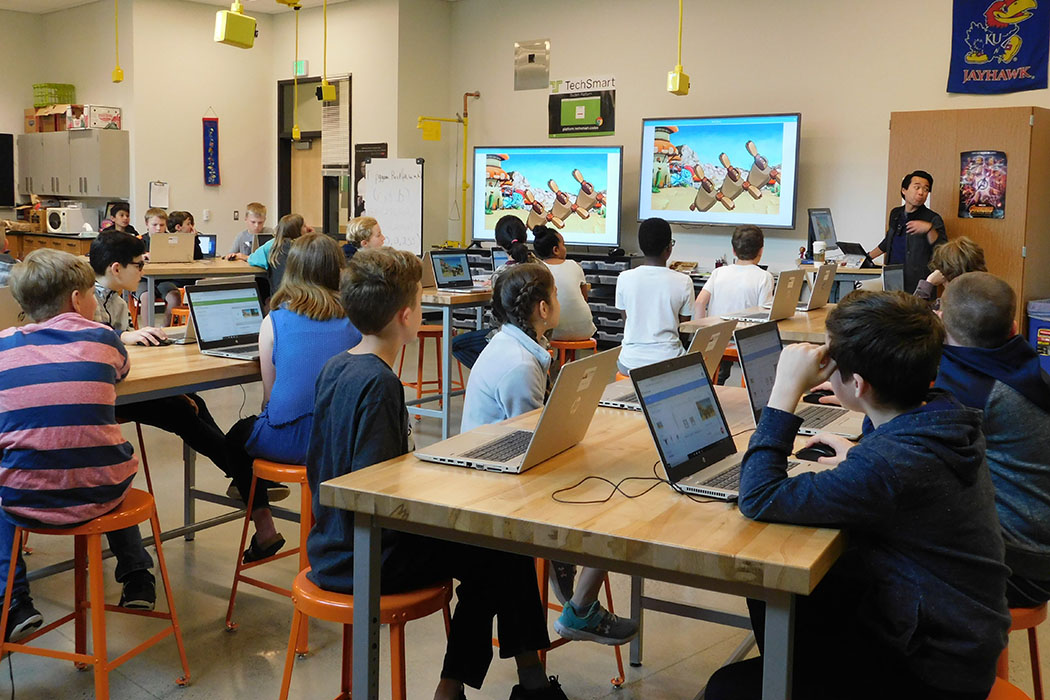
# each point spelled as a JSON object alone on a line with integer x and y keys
{"x": 989, "y": 367}
{"x": 360, "y": 420}
{"x": 916, "y": 605}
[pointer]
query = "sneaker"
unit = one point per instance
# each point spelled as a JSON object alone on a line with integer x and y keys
{"x": 562, "y": 577}
{"x": 597, "y": 625}
{"x": 140, "y": 591}
{"x": 22, "y": 619}
{"x": 275, "y": 491}
{"x": 551, "y": 692}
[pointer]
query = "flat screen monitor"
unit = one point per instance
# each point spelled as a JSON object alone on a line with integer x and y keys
{"x": 721, "y": 170}
{"x": 821, "y": 228}
{"x": 572, "y": 189}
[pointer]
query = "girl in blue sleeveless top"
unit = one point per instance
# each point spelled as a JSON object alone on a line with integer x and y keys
{"x": 305, "y": 328}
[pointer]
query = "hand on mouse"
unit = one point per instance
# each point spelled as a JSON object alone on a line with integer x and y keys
{"x": 801, "y": 366}
{"x": 143, "y": 336}
{"x": 828, "y": 398}
{"x": 235, "y": 256}
{"x": 838, "y": 443}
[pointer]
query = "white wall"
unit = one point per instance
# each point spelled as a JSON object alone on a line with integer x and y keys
{"x": 844, "y": 66}
{"x": 23, "y": 47}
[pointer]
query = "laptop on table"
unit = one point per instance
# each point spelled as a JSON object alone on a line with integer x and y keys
{"x": 893, "y": 278}
{"x": 785, "y": 299}
{"x": 500, "y": 258}
{"x": 856, "y": 256}
{"x": 226, "y": 319}
{"x": 207, "y": 242}
{"x": 563, "y": 423}
{"x": 759, "y": 348}
{"x": 452, "y": 271}
{"x": 823, "y": 281}
{"x": 171, "y": 247}
{"x": 690, "y": 430}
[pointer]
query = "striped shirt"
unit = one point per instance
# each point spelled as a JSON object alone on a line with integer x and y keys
{"x": 64, "y": 459}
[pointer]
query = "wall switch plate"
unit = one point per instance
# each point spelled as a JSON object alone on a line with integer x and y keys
{"x": 206, "y": 214}
{"x": 236, "y": 215}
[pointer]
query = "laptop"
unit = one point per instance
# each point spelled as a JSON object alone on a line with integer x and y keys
{"x": 500, "y": 258}
{"x": 260, "y": 239}
{"x": 823, "y": 281}
{"x": 856, "y": 256}
{"x": 226, "y": 319}
{"x": 893, "y": 278}
{"x": 690, "y": 429}
{"x": 785, "y": 299}
{"x": 759, "y": 348}
{"x": 207, "y": 242}
{"x": 452, "y": 271}
{"x": 185, "y": 335}
{"x": 171, "y": 248}
{"x": 710, "y": 341}
{"x": 11, "y": 314}
{"x": 563, "y": 423}
{"x": 428, "y": 272}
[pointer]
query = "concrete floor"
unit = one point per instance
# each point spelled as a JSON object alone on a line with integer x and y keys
{"x": 679, "y": 653}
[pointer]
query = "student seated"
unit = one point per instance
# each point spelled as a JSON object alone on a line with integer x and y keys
{"x": 913, "y": 232}
{"x": 65, "y": 461}
{"x": 956, "y": 257}
{"x": 255, "y": 221}
{"x": 362, "y": 232}
{"x": 654, "y": 301}
{"x": 168, "y": 290}
{"x": 121, "y": 219}
{"x": 360, "y": 419}
{"x": 738, "y": 286}
{"x": 305, "y": 327}
{"x": 182, "y": 222}
{"x": 577, "y": 321}
{"x": 988, "y": 366}
{"x": 916, "y": 606}
{"x": 271, "y": 255}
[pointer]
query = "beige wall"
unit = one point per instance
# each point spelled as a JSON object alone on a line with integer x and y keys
{"x": 24, "y": 53}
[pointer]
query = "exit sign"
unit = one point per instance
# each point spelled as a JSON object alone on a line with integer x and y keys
{"x": 300, "y": 68}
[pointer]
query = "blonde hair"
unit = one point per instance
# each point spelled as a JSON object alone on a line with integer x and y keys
{"x": 310, "y": 285}
{"x": 255, "y": 208}
{"x": 43, "y": 282}
{"x": 957, "y": 257}
{"x": 360, "y": 229}
{"x": 288, "y": 228}
{"x": 155, "y": 211}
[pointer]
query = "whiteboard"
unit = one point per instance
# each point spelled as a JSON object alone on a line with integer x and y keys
{"x": 393, "y": 194}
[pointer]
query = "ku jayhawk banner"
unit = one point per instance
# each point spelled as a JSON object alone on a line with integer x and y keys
{"x": 999, "y": 46}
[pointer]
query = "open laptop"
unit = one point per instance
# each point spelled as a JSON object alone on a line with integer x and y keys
{"x": 171, "y": 248}
{"x": 11, "y": 314}
{"x": 260, "y": 239}
{"x": 226, "y": 319}
{"x": 855, "y": 255}
{"x": 186, "y": 335}
{"x": 785, "y": 299}
{"x": 823, "y": 281}
{"x": 452, "y": 271}
{"x": 563, "y": 423}
{"x": 690, "y": 429}
{"x": 207, "y": 242}
{"x": 759, "y": 348}
{"x": 893, "y": 278}
{"x": 500, "y": 258}
{"x": 428, "y": 272}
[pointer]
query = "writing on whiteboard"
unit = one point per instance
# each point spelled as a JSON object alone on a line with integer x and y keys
{"x": 393, "y": 194}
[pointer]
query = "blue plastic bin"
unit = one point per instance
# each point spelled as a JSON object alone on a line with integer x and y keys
{"x": 1039, "y": 329}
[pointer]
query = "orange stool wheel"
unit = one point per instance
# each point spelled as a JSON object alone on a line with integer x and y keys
{"x": 435, "y": 333}
{"x": 566, "y": 349}
{"x": 1025, "y": 619}
{"x": 394, "y": 610}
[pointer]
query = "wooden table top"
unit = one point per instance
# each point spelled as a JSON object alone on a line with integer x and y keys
{"x": 661, "y": 532}
{"x": 161, "y": 368}
{"x": 435, "y": 297}
{"x": 202, "y": 268}
{"x": 874, "y": 271}
{"x": 803, "y": 327}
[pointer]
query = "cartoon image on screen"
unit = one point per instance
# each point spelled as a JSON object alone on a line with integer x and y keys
{"x": 450, "y": 269}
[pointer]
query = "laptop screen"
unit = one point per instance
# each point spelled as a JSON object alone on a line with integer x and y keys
{"x": 451, "y": 269}
{"x": 759, "y": 350}
{"x": 683, "y": 412}
{"x": 225, "y": 313}
{"x": 207, "y": 244}
{"x": 499, "y": 258}
{"x": 893, "y": 278}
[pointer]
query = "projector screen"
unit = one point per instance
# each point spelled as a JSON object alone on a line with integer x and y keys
{"x": 572, "y": 189}
{"x": 721, "y": 170}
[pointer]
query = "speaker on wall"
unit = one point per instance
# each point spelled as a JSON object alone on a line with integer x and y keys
{"x": 7, "y": 170}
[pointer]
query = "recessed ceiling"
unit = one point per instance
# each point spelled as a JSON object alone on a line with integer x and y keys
{"x": 251, "y": 6}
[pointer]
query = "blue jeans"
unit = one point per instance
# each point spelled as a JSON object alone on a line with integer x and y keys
{"x": 126, "y": 545}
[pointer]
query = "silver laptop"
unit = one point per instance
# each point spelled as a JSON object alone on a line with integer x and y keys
{"x": 226, "y": 319}
{"x": 428, "y": 272}
{"x": 690, "y": 429}
{"x": 893, "y": 278}
{"x": 709, "y": 341}
{"x": 785, "y": 299}
{"x": 261, "y": 239}
{"x": 185, "y": 335}
{"x": 759, "y": 348}
{"x": 823, "y": 281}
{"x": 563, "y": 423}
{"x": 452, "y": 271}
{"x": 171, "y": 248}
{"x": 11, "y": 314}
{"x": 500, "y": 258}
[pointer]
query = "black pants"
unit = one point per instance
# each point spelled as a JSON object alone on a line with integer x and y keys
{"x": 239, "y": 462}
{"x": 725, "y": 368}
{"x": 831, "y": 663}
{"x": 466, "y": 347}
{"x": 1026, "y": 593}
{"x": 186, "y": 416}
{"x": 492, "y": 584}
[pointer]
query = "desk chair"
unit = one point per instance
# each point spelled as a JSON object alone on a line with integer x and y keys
{"x": 1025, "y": 619}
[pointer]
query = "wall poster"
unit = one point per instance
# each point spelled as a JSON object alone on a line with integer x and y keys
{"x": 582, "y": 107}
{"x": 982, "y": 185}
{"x": 363, "y": 152}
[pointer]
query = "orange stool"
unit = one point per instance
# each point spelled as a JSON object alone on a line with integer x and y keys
{"x": 89, "y": 593}
{"x": 1004, "y": 690}
{"x": 180, "y": 315}
{"x": 620, "y": 377}
{"x": 394, "y": 610}
{"x": 425, "y": 332}
{"x": 566, "y": 349}
{"x": 1025, "y": 619}
{"x": 285, "y": 474}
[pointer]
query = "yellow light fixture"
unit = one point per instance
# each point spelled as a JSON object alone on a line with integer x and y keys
{"x": 677, "y": 80}
{"x": 118, "y": 72}
{"x": 326, "y": 91}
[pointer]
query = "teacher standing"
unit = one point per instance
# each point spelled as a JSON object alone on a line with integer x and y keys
{"x": 914, "y": 231}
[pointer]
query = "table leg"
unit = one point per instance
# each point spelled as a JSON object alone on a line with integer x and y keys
{"x": 366, "y": 608}
{"x": 151, "y": 294}
{"x": 778, "y": 656}
{"x": 446, "y": 370}
{"x": 189, "y": 481}
{"x": 637, "y": 610}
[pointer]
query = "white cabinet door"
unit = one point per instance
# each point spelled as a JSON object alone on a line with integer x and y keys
{"x": 56, "y": 163}
{"x": 31, "y": 164}
{"x": 99, "y": 163}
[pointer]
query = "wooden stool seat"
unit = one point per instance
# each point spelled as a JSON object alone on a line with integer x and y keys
{"x": 89, "y": 593}
{"x": 394, "y": 610}
{"x": 1025, "y": 619}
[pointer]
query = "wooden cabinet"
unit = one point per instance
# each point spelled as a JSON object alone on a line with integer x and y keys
{"x": 22, "y": 244}
{"x": 89, "y": 163}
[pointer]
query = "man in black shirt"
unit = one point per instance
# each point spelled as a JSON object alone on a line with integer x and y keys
{"x": 914, "y": 231}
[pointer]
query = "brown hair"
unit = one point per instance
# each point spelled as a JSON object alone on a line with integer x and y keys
{"x": 957, "y": 257}
{"x": 178, "y": 218}
{"x": 310, "y": 285}
{"x": 517, "y": 290}
{"x": 155, "y": 211}
{"x": 288, "y": 228}
{"x": 978, "y": 310}
{"x": 360, "y": 229}
{"x": 43, "y": 282}
{"x": 378, "y": 283}
{"x": 748, "y": 241}
{"x": 256, "y": 208}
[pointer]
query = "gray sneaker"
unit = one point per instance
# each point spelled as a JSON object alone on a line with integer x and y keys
{"x": 562, "y": 577}
{"x": 596, "y": 625}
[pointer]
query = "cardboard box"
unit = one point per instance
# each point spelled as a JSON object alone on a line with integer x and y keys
{"x": 47, "y": 119}
{"x": 30, "y": 126}
{"x": 94, "y": 117}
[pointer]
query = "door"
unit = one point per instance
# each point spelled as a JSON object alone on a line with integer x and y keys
{"x": 306, "y": 182}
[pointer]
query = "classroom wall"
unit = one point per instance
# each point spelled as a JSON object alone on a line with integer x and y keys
{"x": 23, "y": 45}
{"x": 844, "y": 66}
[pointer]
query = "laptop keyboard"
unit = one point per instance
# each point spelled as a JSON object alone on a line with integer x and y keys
{"x": 243, "y": 350}
{"x": 816, "y": 417}
{"x": 502, "y": 449}
{"x": 627, "y": 398}
{"x": 729, "y": 480}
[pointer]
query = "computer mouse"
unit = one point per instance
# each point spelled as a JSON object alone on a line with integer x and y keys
{"x": 815, "y": 451}
{"x": 816, "y": 396}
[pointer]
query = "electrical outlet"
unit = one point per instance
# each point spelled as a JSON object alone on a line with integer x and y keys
{"x": 236, "y": 215}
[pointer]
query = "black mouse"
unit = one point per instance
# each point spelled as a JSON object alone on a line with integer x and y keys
{"x": 815, "y": 452}
{"x": 816, "y": 396}
{"x": 160, "y": 342}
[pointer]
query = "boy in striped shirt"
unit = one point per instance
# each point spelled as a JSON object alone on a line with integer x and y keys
{"x": 64, "y": 460}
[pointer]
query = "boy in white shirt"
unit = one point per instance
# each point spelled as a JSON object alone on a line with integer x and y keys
{"x": 739, "y": 286}
{"x": 654, "y": 300}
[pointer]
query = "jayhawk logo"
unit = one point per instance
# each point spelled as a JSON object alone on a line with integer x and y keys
{"x": 995, "y": 39}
